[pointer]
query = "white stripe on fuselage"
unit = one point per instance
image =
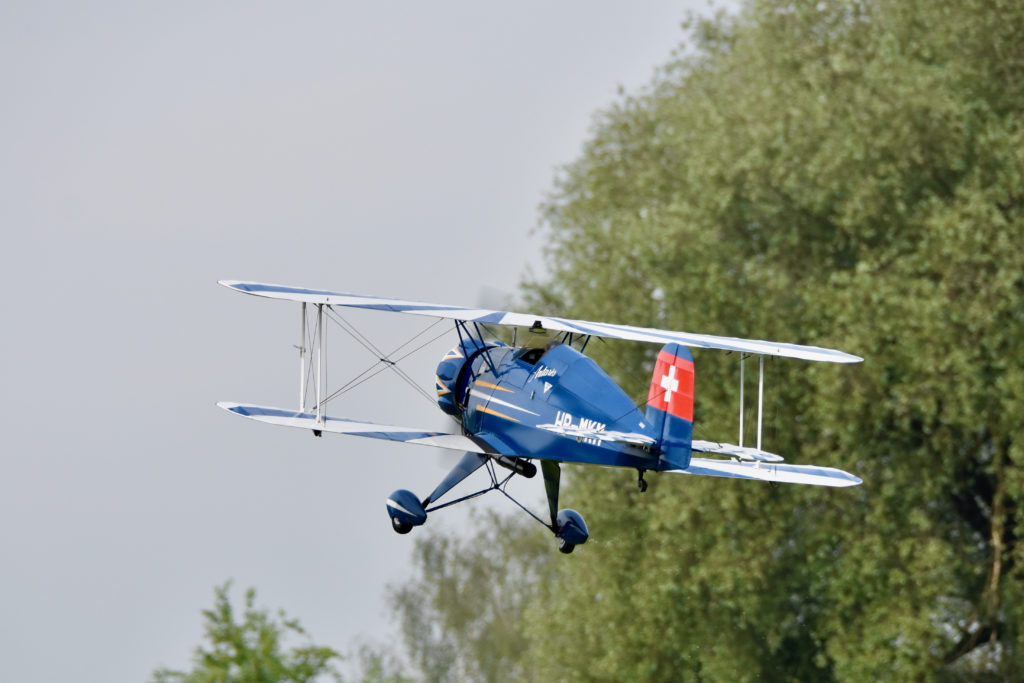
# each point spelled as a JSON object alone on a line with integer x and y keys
{"x": 489, "y": 398}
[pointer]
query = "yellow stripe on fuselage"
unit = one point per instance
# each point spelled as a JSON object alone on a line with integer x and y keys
{"x": 493, "y": 386}
{"x": 491, "y": 411}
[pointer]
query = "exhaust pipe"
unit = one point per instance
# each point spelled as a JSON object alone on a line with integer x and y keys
{"x": 517, "y": 465}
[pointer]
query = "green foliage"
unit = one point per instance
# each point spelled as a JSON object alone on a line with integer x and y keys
{"x": 378, "y": 664}
{"x": 462, "y": 616}
{"x": 251, "y": 649}
{"x": 846, "y": 174}
{"x": 842, "y": 173}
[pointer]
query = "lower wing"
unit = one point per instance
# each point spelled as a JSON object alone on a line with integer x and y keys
{"x": 774, "y": 472}
{"x": 790, "y": 474}
{"x": 334, "y": 425}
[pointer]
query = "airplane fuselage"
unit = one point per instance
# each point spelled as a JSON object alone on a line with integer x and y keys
{"x": 556, "y": 404}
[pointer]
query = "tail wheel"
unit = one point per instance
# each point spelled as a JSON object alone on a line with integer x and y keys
{"x": 399, "y": 527}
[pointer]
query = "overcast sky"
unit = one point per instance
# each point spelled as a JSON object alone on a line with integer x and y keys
{"x": 150, "y": 149}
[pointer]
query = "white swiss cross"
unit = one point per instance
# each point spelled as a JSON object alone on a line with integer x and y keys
{"x": 669, "y": 383}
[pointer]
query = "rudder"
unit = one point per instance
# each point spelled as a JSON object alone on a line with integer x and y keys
{"x": 670, "y": 405}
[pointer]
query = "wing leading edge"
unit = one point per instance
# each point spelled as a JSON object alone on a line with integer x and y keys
{"x": 293, "y": 418}
{"x": 583, "y": 327}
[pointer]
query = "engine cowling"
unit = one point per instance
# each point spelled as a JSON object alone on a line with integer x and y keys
{"x": 449, "y": 380}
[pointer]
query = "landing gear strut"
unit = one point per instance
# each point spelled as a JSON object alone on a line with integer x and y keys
{"x": 641, "y": 483}
{"x": 406, "y": 511}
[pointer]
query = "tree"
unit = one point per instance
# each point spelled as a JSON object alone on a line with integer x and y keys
{"x": 251, "y": 650}
{"x": 849, "y": 174}
{"x": 462, "y": 614}
{"x": 378, "y": 663}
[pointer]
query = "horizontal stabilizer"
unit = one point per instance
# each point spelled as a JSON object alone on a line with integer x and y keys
{"x": 741, "y": 452}
{"x": 292, "y": 418}
{"x": 780, "y": 473}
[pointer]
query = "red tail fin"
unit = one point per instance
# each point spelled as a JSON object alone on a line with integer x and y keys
{"x": 670, "y": 405}
{"x": 672, "y": 382}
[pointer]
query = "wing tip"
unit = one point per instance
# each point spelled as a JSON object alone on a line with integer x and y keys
{"x": 230, "y": 406}
{"x": 836, "y": 482}
{"x": 244, "y": 286}
{"x": 824, "y": 355}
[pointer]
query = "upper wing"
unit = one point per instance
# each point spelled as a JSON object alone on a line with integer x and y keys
{"x": 781, "y": 473}
{"x": 596, "y": 329}
{"x": 293, "y": 418}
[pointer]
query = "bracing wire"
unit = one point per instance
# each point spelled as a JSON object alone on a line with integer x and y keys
{"x": 372, "y": 348}
{"x": 384, "y": 360}
{"x": 355, "y": 380}
{"x": 377, "y": 369}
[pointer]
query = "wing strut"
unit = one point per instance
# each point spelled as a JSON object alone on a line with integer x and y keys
{"x": 302, "y": 362}
{"x": 760, "y": 398}
{"x": 306, "y": 362}
{"x": 742, "y": 359}
{"x": 320, "y": 363}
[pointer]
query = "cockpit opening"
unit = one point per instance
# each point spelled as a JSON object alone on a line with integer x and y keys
{"x": 533, "y": 355}
{"x": 530, "y": 355}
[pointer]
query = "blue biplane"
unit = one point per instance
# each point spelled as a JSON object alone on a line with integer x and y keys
{"x": 553, "y": 404}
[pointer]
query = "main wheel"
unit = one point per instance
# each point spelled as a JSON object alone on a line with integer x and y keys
{"x": 399, "y": 527}
{"x": 564, "y": 547}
